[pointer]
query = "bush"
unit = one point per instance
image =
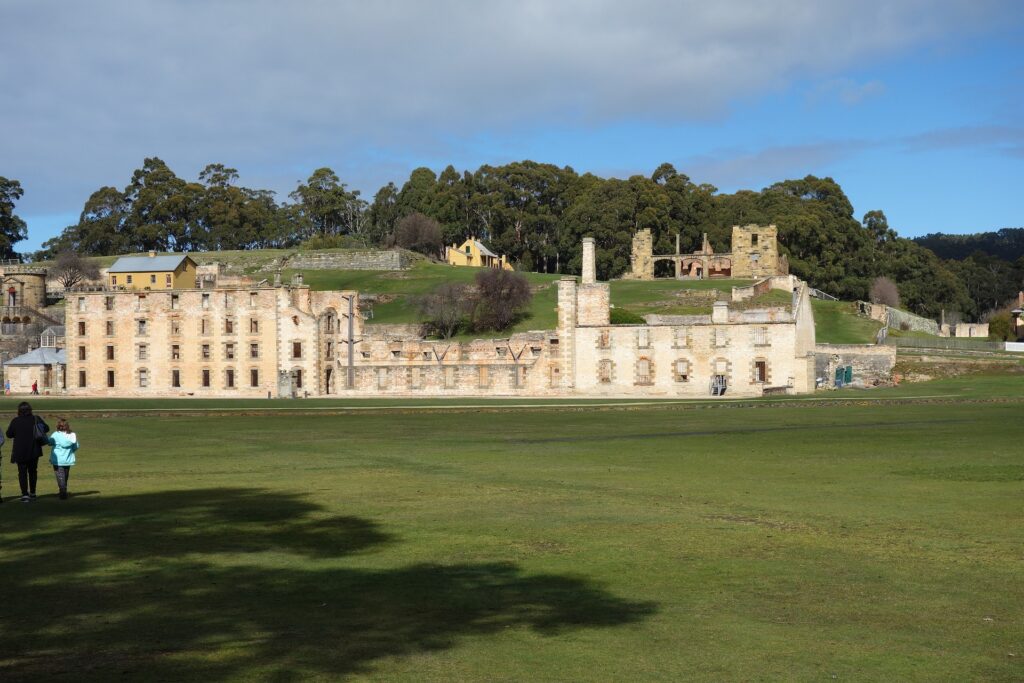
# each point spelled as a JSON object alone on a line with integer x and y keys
{"x": 445, "y": 310}
{"x": 419, "y": 233}
{"x": 884, "y": 291}
{"x": 502, "y": 298}
{"x": 620, "y": 316}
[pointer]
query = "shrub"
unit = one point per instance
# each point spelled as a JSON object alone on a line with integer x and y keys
{"x": 419, "y": 233}
{"x": 502, "y": 297}
{"x": 884, "y": 291}
{"x": 445, "y": 309}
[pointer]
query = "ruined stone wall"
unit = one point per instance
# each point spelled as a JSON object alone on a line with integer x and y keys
{"x": 351, "y": 260}
{"x": 518, "y": 366}
{"x": 971, "y": 330}
{"x": 593, "y": 307}
{"x": 755, "y": 251}
{"x": 642, "y": 256}
{"x": 872, "y": 364}
{"x": 901, "y": 319}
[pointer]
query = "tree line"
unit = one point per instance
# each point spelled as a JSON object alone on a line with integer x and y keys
{"x": 534, "y": 213}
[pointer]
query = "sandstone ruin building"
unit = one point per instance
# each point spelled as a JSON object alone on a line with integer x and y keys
{"x": 755, "y": 254}
{"x": 286, "y": 340}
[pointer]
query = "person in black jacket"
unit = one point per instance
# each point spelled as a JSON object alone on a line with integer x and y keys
{"x": 26, "y": 450}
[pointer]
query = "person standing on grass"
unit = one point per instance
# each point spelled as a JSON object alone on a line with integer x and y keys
{"x": 35, "y": 388}
{"x": 62, "y": 456}
{"x": 26, "y": 450}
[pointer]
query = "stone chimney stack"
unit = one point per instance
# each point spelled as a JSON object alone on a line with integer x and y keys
{"x": 589, "y": 261}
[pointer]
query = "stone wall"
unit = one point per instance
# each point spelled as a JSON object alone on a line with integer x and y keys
{"x": 28, "y": 283}
{"x": 872, "y": 364}
{"x": 393, "y": 259}
{"x": 898, "y": 319}
{"x": 642, "y": 256}
{"x": 755, "y": 251}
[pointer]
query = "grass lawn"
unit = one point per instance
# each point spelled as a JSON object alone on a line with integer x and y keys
{"x": 826, "y": 540}
{"x": 835, "y": 322}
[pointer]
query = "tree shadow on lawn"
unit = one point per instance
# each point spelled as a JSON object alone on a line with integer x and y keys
{"x": 237, "y": 582}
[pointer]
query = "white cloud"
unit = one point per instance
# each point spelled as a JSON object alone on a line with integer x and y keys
{"x": 89, "y": 89}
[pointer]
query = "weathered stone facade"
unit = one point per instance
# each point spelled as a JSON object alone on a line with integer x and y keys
{"x": 255, "y": 341}
{"x": 641, "y": 257}
{"x": 872, "y": 363}
{"x": 755, "y": 254}
{"x": 290, "y": 341}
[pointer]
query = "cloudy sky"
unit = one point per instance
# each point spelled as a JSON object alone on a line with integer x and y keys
{"x": 916, "y": 107}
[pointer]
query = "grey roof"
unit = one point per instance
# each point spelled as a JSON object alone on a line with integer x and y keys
{"x": 147, "y": 264}
{"x": 55, "y": 330}
{"x": 40, "y": 356}
{"x": 484, "y": 250}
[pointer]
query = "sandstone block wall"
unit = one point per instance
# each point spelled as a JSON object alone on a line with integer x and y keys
{"x": 642, "y": 256}
{"x": 872, "y": 364}
{"x": 28, "y": 283}
{"x": 898, "y": 319}
{"x": 680, "y": 361}
{"x": 351, "y": 260}
{"x": 132, "y": 343}
{"x": 755, "y": 251}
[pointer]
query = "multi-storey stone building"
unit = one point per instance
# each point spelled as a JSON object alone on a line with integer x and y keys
{"x": 251, "y": 341}
{"x": 286, "y": 340}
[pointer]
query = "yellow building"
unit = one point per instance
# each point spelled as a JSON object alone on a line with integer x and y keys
{"x": 474, "y": 254}
{"x": 171, "y": 271}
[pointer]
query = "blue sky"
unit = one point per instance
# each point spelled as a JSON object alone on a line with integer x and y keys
{"x": 915, "y": 108}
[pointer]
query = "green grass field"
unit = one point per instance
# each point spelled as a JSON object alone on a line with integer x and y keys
{"x": 856, "y": 536}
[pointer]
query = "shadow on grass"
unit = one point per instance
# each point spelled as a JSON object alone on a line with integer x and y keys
{"x": 240, "y": 583}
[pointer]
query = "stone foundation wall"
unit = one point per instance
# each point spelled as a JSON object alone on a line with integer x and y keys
{"x": 351, "y": 260}
{"x": 871, "y": 364}
{"x": 897, "y": 318}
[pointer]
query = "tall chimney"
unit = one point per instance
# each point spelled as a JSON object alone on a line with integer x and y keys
{"x": 589, "y": 263}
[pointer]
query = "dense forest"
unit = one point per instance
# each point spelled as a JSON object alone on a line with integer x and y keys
{"x": 534, "y": 213}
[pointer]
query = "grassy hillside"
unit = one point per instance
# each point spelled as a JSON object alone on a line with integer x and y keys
{"x": 836, "y": 322}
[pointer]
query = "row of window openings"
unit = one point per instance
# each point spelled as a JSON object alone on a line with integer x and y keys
{"x": 230, "y": 378}
{"x": 682, "y": 338}
{"x": 205, "y": 327}
{"x": 142, "y": 301}
{"x": 681, "y": 371}
{"x": 205, "y": 352}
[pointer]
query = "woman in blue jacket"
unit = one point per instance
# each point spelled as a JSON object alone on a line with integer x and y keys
{"x": 62, "y": 456}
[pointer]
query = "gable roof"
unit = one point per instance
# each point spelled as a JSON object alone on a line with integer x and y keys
{"x": 148, "y": 264}
{"x": 484, "y": 250}
{"x": 42, "y": 356}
